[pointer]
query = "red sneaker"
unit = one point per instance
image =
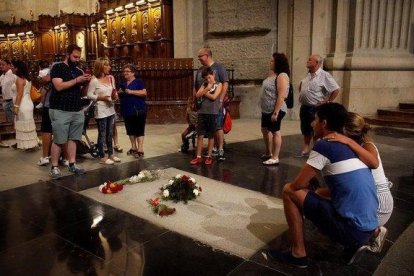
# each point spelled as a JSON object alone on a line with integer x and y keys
{"x": 208, "y": 161}
{"x": 196, "y": 161}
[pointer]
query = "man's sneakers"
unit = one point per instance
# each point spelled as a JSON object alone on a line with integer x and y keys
{"x": 287, "y": 258}
{"x": 196, "y": 161}
{"x": 352, "y": 255}
{"x": 55, "y": 173}
{"x": 199, "y": 160}
{"x": 208, "y": 161}
{"x": 302, "y": 154}
{"x": 378, "y": 242}
{"x": 220, "y": 156}
{"x": 76, "y": 169}
{"x": 43, "y": 161}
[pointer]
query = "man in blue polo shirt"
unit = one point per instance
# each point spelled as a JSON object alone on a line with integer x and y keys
{"x": 348, "y": 213}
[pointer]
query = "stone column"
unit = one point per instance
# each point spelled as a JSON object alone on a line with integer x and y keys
{"x": 377, "y": 54}
{"x": 189, "y": 31}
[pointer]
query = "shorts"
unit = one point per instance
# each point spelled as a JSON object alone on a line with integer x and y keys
{"x": 46, "y": 126}
{"x": 307, "y": 115}
{"x": 135, "y": 125}
{"x": 206, "y": 125}
{"x": 220, "y": 119}
{"x": 272, "y": 126}
{"x": 66, "y": 125}
{"x": 322, "y": 213}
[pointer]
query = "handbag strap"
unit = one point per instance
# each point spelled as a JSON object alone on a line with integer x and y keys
{"x": 110, "y": 79}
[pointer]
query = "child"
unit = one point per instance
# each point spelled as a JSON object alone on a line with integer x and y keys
{"x": 207, "y": 100}
{"x": 357, "y": 139}
{"x": 44, "y": 79}
{"x": 191, "y": 116}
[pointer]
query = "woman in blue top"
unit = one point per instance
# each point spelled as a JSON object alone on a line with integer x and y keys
{"x": 133, "y": 109}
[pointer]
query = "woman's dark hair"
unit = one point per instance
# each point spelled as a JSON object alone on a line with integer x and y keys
{"x": 281, "y": 64}
{"x": 21, "y": 69}
{"x": 206, "y": 71}
{"x": 335, "y": 115}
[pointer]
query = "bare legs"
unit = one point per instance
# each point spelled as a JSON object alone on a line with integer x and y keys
{"x": 46, "y": 143}
{"x": 137, "y": 143}
{"x": 273, "y": 142}
{"x": 293, "y": 203}
{"x": 69, "y": 152}
{"x": 306, "y": 143}
{"x": 267, "y": 139}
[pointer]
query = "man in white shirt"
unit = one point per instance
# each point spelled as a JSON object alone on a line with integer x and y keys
{"x": 317, "y": 88}
{"x": 7, "y": 79}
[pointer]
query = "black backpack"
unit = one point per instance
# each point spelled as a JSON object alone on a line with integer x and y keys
{"x": 289, "y": 98}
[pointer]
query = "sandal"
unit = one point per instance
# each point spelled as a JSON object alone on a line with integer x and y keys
{"x": 107, "y": 162}
{"x": 131, "y": 152}
{"x": 118, "y": 148}
{"x": 271, "y": 162}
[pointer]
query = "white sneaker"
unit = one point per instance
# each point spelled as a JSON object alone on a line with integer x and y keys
{"x": 43, "y": 161}
{"x": 271, "y": 162}
{"x": 39, "y": 106}
{"x": 378, "y": 242}
{"x": 3, "y": 145}
{"x": 66, "y": 162}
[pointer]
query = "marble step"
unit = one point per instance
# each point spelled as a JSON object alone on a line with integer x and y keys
{"x": 406, "y": 105}
{"x": 390, "y": 121}
{"x": 397, "y": 112}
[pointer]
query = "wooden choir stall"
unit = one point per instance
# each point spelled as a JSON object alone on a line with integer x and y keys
{"x": 138, "y": 32}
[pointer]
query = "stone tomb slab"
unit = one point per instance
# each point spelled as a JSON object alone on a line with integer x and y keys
{"x": 226, "y": 217}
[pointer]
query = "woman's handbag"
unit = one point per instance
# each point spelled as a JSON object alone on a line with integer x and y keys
{"x": 35, "y": 94}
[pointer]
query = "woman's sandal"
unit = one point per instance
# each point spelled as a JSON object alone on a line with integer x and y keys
{"x": 138, "y": 154}
{"x": 118, "y": 148}
{"x": 131, "y": 152}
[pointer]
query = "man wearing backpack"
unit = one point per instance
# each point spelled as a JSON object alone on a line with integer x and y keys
{"x": 317, "y": 88}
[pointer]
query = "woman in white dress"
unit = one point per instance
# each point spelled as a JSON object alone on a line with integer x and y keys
{"x": 26, "y": 136}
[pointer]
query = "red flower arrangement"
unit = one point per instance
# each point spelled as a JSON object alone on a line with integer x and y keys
{"x": 160, "y": 209}
{"x": 181, "y": 188}
{"x": 110, "y": 188}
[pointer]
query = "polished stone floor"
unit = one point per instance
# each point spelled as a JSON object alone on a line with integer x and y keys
{"x": 48, "y": 228}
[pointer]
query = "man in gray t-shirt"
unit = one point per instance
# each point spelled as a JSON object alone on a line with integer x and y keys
{"x": 205, "y": 57}
{"x": 317, "y": 88}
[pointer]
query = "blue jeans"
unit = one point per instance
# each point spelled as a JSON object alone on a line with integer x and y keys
{"x": 8, "y": 110}
{"x": 105, "y": 132}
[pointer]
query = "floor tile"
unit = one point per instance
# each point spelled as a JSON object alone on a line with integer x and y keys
{"x": 173, "y": 254}
{"x": 49, "y": 255}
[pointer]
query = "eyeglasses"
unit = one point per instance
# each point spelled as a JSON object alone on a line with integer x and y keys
{"x": 127, "y": 71}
